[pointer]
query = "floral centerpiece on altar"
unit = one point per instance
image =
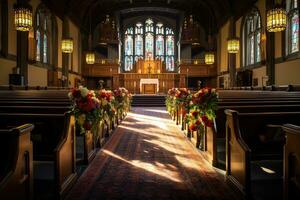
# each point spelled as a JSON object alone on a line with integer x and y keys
{"x": 85, "y": 106}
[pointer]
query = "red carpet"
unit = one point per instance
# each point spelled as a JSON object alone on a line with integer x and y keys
{"x": 149, "y": 158}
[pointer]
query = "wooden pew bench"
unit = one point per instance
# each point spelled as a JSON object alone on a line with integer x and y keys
{"x": 254, "y": 152}
{"x": 16, "y": 170}
{"x": 292, "y": 162}
{"x": 34, "y": 109}
{"x": 53, "y": 149}
{"x": 215, "y": 135}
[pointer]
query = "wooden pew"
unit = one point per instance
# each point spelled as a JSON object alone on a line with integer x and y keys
{"x": 53, "y": 148}
{"x": 254, "y": 163}
{"x": 215, "y": 135}
{"x": 16, "y": 170}
{"x": 291, "y": 162}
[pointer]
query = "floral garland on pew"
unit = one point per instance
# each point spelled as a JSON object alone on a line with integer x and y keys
{"x": 178, "y": 98}
{"x": 122, "y": 100}
{"x": 203, "y": 108}
{"x": 199, "y": 108}
{"x": 90, "y": 108}
{"x": 85, "y": 106}
{"x": 171, "y": 100}
{"x": 107, "y": 103}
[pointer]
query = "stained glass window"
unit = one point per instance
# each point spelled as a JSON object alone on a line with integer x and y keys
{"x": 38, "y": 45}
{"x": 43, "y": 32}
{"x": 252, "y": 38}
{"x": 160, "y": 44}
{"x": 293, "y": 27}
{"x": 129, "y": 49}
{"x": 45, "y": 50}
{"x": 139, "y": 41}
{"x": 149, "y": 40}
{"x": 170, "y": 50}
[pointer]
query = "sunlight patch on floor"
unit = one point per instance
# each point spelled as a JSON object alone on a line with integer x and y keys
{"x": 157, "y": 111}
{"x": 147, "y": 117}
{"x": 160, "y": 170}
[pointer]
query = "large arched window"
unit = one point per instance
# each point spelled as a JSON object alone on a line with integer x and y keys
{"x": 43, "y": 34}
{"x": 293, "y": 27}
{"x": 149, "y": 40}
{"x": 252, "y": 38}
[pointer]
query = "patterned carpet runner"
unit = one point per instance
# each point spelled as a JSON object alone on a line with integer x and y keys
{"x": 149, "y": 158}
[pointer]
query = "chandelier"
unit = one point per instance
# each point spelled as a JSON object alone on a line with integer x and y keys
{"x": 209, "y": 58}
{"x": 67, "y": 45}
{"x": 233, "y": 45}
{"x": 276, "y": 20}
{"x": 23, "y": 17}
{"x": 90, "y": 58}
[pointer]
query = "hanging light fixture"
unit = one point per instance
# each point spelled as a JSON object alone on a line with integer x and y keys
{"x": 23, "y": 17}
{"x": 67, "y": 45}
{"x": 276, "y": 20}
{"x": 209, "y": 58}
{"x": 233, "y": 45}
{"x": 90, "y": 56}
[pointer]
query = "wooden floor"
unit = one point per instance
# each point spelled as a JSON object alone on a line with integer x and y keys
{"x": 148, "y": 157}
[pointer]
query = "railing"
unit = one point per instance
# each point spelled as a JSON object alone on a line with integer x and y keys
{"x": 191, "y": 61}
{"x": 107, "y": 61}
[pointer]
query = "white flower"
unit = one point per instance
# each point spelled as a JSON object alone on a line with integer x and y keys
{"x": 70, "y": 95}
{"x": 83, "y": 91}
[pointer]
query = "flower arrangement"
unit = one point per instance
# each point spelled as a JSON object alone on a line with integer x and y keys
{"x": 178, "y": 97}
{"x": 122, "y": 100}
{"x": 205, "y": 100}
{"x": 106, "y": 99}
{"x": 85, "y": 106}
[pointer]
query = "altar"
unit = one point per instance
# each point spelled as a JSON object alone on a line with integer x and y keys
{"x": 149, "y": 86}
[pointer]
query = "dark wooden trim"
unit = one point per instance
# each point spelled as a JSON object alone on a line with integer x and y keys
{"x": 232, "y": 57}
{"x": 290, "y": 57}
{"x": 270, "y": 50}
{"x": 254, "y": 66}
{"x": 4, "y": 28}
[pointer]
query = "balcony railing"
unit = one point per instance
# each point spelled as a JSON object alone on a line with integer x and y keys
{"x": 107, "y": 61}
{"x": 191, "y": 62}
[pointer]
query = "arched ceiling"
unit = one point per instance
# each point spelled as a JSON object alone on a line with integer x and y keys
{"x": 216, "y": 11}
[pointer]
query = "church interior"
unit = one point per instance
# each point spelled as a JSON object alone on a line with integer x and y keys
{"x": 149, "y": 99}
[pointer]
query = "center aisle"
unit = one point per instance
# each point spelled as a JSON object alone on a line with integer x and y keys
{"x": 149, "y": 158}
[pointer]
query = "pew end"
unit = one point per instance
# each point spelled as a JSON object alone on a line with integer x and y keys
{"x": 291, "y": 161}
{"x": 16, "y": 179}
{"x": 237, "y": 155}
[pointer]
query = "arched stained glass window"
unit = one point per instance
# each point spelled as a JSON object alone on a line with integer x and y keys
{"x": 139, "y": 41}
{"x": 170, "y": 50}
{"x": 38, "y": 46}
{"x": 149, "y": 40}
{"x": 160, "y": 42}
{"x": 129, "y": 49}
{"x": 43, "y": 31}
{"x": 293, "y": 27}
{"x": 252, "y": 38}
